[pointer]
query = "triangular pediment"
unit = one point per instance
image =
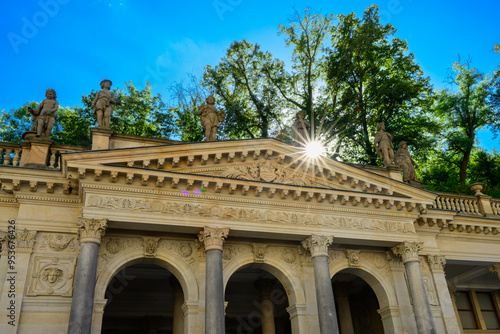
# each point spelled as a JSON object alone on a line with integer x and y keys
{"x": 267, "y": 161}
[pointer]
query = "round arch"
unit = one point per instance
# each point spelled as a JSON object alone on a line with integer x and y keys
{"x": 284, "y": 275}
{"x": 170, "y": 261}
{"x": 380, "y": 284}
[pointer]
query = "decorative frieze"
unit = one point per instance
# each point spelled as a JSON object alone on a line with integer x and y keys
{"x": 436, "y": 262}
{"x": 317, "y": 245}
{"x": 408, "y": 251}
{"x": 245, "y": 214}
{"x": 91, "y": 229}
{"x": 56, "y": 242}
{"x": 213, "y": 237}
{"x": 52, "y": 276}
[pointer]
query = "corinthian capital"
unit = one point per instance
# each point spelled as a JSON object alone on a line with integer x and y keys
{"x": 91, "y": 229}
{"x": 408, "y": 251}
{"x": 495, "y": 269}
{"x": 436, "y": 262}
{"x": 25, "y": 240}
{"x": 213, "y": 237}
{"x": 317, "y": 245}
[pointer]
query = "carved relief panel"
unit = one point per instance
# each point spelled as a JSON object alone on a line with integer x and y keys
{"x": 52, "y": 276}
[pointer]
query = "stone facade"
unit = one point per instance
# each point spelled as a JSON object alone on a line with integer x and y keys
{"x": 208, "y": 212}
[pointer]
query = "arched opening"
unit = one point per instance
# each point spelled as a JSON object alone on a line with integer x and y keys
{"x": 357, "y": 305}
{"x": 143, "y": 298}
{"x": 256, "y": 303}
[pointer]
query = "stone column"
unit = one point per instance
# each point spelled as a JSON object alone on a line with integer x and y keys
{"x": 265, "y": 287}
{"x": 318, "y": 247}
{"x": 213, "y": 238}
{"x": 90, "y": 232}
{"x": 408, "y": 251}
{"x": 345, "y": 318}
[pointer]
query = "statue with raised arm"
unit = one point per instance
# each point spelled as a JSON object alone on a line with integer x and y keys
{"x": 210, "y": 118}
{"x": 103, "y": 103}
{"x": 44, "y": 117}
{"x": 383, "y": 145}
{"x": 404, "y": 161}
{"x": 300, "y": 128}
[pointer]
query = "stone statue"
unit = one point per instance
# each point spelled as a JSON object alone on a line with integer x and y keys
{"x": 383, "y": 145}
{"x": 210, "y": 118}
{"x": 300, "y": 128}
{"x": 44, "y": 117}
{"x": 404, "y": 161}
{"x": 103, "y": 103}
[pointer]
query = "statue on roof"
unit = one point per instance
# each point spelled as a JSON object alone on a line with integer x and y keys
{"x": 44, "y": 117}
{"x": 404, "y": 161}
{"x": 383, "y": 145}
{"x": 300, "y": 128}
{"x": 210, "y": 118}
{"x": 103, "y": 103}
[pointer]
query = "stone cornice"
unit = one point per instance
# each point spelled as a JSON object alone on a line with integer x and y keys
{"x": 213, "y": 237}
{"x": 317, "y": 245}
{"x": 408, "y": 251}
{"x": 91, "y": 229}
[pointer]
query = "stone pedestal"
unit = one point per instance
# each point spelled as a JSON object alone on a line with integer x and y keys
{"x": 213, "y": 238}
{"x": 100, "y": 137}
{"x": 318, "y": 247}
{"x": 408, "y": 251}
{"x": 35, "y": 152}
{"x": 90, "y": 232}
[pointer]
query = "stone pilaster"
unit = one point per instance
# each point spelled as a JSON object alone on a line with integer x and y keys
{"x": 408, "y": 251}
{"x": 17, "y": 247}
{"x": 4, "y": 237}
{"x": 437, "y": 264}
{"x": 90, "y": 233}
{"x": 213, "y": 239}
{"x": 318, "y": 247}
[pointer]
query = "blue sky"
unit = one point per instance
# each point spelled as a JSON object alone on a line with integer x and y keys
{"x": 72, "y": 45}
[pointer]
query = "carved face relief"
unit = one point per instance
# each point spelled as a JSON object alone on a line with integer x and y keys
{"x": 52, "y": 275}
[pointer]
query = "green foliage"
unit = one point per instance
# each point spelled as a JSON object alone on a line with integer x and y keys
{"x": 463, "y": 112}
{"x": 372, "y": 78}
{"x": 15, "y": 122}
{"x": 250, "y": 100}
{"x": 441, "y": 174}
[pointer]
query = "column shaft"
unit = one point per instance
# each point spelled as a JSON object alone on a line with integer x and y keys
{"x": 345, "y": 318}
{"x": 80, "y": 319}
{"x": 421, "y": 307}
{"x": 268, "y": 326}
{"x": 214, "y": 302}
{"x": 178, "y": 326}
{"x": 324, "y": 294}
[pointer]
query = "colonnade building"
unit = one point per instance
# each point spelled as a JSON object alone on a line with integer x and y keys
{"x": 142, "y": 235}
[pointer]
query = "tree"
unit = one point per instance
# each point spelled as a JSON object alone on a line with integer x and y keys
{"x": 15, "y": 122}
{"x": 463, "y": 112}
{"x": 372, "y": 78}
{"x": 187, "y": 98}
{"x": 250, "y": 100}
